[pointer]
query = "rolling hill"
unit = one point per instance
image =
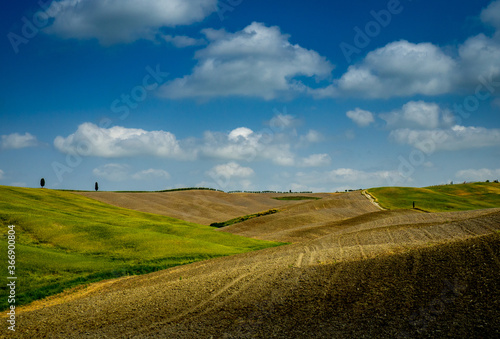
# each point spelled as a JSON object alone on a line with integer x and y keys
{"x": 199, "y": 206}
{"x": 459, "y": 197}
{"x": 352, "y": 270}
{"x": 64, "y": 240}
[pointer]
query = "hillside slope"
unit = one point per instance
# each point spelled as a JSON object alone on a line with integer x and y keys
{"x": 457, "y": 197}
{"x": 374, "y": 274}
{"x": 63, "y": 240}
{"x": 200, "y": 206}
{"x": 303, "y": 217}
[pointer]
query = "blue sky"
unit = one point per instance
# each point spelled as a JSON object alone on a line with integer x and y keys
{"x": 249, "y": 95}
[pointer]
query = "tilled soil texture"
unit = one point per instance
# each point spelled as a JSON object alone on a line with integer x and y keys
{"x": 199, "y": 206}
{"x": 352, "y": 272}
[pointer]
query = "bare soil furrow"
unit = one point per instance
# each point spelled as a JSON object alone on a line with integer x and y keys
{"x": 299, "y": 260}
{"x": 205, "y": 302}
{"x": 311, "y": 256}
{"x": 390, "y": 235}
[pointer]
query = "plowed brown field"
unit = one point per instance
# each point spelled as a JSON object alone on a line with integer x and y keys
{"x": 199, "y": 206}
{"x": 352, "y": 271}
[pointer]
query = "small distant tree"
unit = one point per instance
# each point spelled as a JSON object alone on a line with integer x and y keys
{"x": 487, "y": 181}
{"x": 96, "y": 186}
{"x": 42, "y": 182}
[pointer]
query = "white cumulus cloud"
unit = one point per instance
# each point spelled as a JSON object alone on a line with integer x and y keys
{"x": 283, "y": 121}
{"x": 400, "y": 68}
{"x": 244, "y": 144}
{"x": 231, "y": 169}
{"x": 16, "y": 141}
{"x": 491, "y": 14}
{"x": 419, "y": 114}
{"x": 240, "y": 133}
{"x": 482, "y": 174}
{"x": 231, "y": 174}
{"x": 479, "y": 65}
{"x": 452, "y": 139}
{"x": 123, "y": 21}
{"x": 151, "y": 174}
{"x": 258, "y": 61}
{"x": 361, "y": 117}
{"x": 121, "y": 172}
{"x": 91, "y": 140}
{"x": 239, "y": 144}
{"x": 311, "y": 137}
{"x": 348, "y": 177}
{"x": 2, "y": 173}
{"x": 112, "y": 172}
{"x": 316, "y": 160}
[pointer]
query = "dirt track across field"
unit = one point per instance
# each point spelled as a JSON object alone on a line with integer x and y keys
{"x": 352, "y": 271}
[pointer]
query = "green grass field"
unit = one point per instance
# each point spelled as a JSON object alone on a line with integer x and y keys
{"x": 458, "y": 197}
{"x": 64, "y": 240}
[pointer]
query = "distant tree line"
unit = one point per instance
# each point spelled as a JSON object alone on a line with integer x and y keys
{"x": 351, "y": 190}
{"x": 191, "y": 189}
{"x": 287, "y": 192}
{"x": 42, "y": 184}
{"x": 96, "y": 188}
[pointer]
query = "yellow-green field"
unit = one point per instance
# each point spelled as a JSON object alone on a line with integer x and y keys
{"x": 459, "y": 197}
{"x": 64, "y": 240}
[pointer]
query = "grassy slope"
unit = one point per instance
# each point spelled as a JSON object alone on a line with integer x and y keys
{"x": 63, "y": 240}
{"x": 440, "y": 198}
